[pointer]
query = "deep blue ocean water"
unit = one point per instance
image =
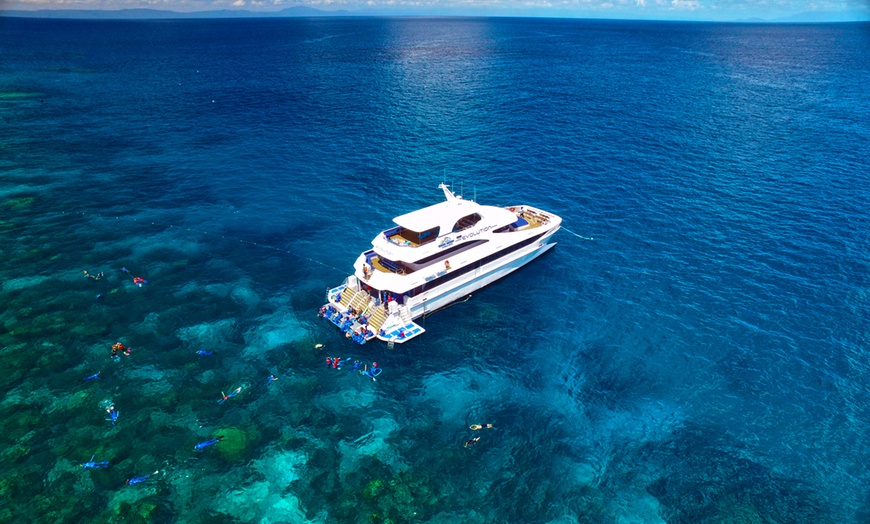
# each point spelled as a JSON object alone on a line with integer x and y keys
{"x": 694, "y": 349}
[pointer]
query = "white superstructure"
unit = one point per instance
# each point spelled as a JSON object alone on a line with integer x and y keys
{"x": 432, "y": 257}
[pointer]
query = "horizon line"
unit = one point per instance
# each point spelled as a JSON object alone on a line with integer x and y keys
{"x": 313, "y": 12}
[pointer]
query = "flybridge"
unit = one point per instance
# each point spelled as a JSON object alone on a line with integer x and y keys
{"x": 406, "y": 275}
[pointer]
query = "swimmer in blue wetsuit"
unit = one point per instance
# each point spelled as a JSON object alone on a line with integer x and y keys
{"x": 143, "y": 478}
{"x": 113, "y": 414}
{"x": 207, "y": 443}
{"x": 204, "y": 353}
{"x": 224, "y": 398}
{"x": 272, "y": 378}
{"x": 372, "y": 373}
{"x": 94, "y": 465}
{"x": 95, "y": 376}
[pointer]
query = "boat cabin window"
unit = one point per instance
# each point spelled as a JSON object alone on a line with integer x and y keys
{"x": 466, "y": 222}
{"x": 446, "y": 253}
{"x": 407, "y": 237}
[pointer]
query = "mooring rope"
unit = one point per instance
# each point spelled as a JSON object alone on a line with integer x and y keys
{"x": 576, "y": 235}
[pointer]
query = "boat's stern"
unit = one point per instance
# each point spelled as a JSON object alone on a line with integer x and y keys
{"x": 398, "y": 326}
{"x": 362, "y": 317}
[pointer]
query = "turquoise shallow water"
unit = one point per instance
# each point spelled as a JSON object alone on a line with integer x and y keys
{"x": 693, "y": 350}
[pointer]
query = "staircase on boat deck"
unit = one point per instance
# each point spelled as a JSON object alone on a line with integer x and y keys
{"x": 405, "y": 315}
{"x": 359, "y": 300}
{"x": 354, "y": 299}
{"x": 377, "y": 319}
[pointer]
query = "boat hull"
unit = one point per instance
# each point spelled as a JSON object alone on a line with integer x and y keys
{"x": 476, "y": 280}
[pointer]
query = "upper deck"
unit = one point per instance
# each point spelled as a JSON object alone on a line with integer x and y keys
{"x": 425, "y": 232}
{"x": 402, "y": 251}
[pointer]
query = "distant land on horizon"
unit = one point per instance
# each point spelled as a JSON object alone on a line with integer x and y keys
{"x": 301, "y": 11}
{"x": 161, "y": 14}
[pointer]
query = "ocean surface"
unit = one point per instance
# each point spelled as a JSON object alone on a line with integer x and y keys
{"x": 694, "y": 350}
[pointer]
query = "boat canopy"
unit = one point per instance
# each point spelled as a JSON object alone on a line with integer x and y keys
{"x": 445, "y": 216}
{"x": 442, "y": 215}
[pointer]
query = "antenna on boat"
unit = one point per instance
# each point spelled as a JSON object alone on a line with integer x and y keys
{"x": 447, "y": 193}
{"x": 475, "y": 193}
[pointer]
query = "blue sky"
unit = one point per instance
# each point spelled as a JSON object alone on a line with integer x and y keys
{"x": 825, "y": 10}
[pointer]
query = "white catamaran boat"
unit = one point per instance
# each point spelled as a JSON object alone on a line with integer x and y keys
{"x": 431, "y": 258}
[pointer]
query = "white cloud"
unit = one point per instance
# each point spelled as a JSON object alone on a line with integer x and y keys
{"x": 685, "y": 5}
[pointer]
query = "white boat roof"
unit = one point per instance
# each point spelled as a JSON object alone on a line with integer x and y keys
{"x": 445, "y": 214}
{"x": 442, "y": 214}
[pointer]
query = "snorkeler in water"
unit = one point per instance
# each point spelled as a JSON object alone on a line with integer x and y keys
{"x": 113, "y": 414}
{"x": 475, "y": 427}
{"x": 94, "y": 465}
{"x": 224, "y": 398}
{"x": 95, "y": 376}
{"x": 272, "y": 378}
{"x": 371, "y": 373}
{"x": 207, "y": 443}
{"x": 136, "y": 280}
{"x": 471, "y": 442}
{"x": 117, "y": 347}
{"x": 143, "y": 478}
{"x": 204, "y": 353}
{"x": 98, "y": 276}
